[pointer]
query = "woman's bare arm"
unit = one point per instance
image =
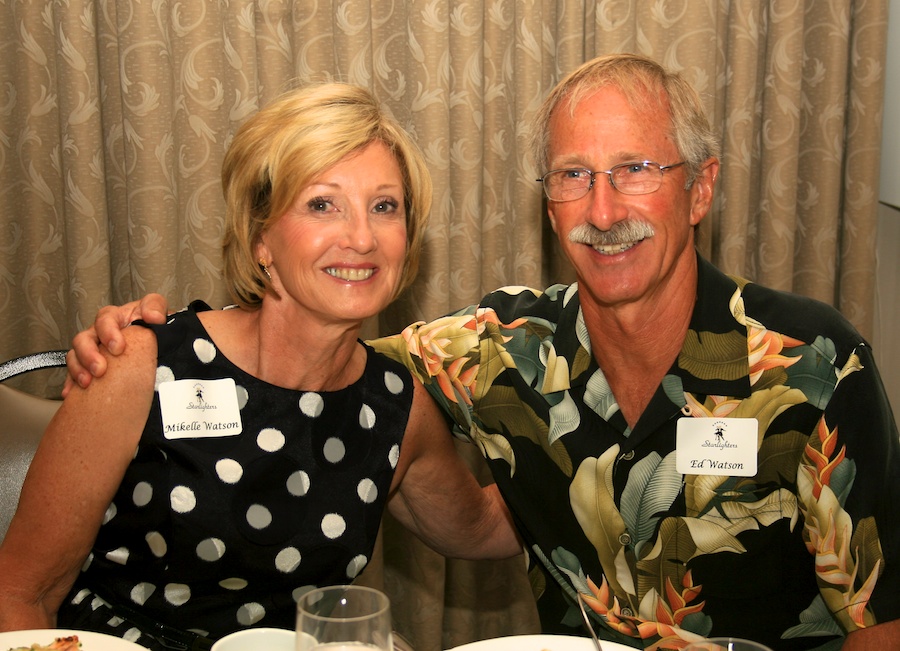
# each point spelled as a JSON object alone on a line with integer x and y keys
{"x": 880, "y": 636}
{"x": 70, "y": 483}
{"x": 438, "y": 498}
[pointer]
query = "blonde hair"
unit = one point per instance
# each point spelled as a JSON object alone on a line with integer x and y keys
{"x": 641, "y": 81}
{"x": 283, "y": 148}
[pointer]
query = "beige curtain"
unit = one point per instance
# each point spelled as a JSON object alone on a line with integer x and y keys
{"x": 114, "y": 116}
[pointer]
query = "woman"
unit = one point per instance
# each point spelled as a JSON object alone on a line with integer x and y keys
{"x": 230, "y": 460}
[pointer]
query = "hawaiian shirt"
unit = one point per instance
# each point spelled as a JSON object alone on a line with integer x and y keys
{"x": 794, "y": 557}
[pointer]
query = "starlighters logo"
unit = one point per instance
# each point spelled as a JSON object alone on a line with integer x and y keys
{"x": 199, "y": 401}
{"x": 719, "y": 428}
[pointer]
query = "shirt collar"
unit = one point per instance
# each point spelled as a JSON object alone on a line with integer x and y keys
{"x": 714, "y": 356}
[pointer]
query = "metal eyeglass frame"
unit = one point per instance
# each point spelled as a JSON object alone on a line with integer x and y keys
{"x": 609, "y": 175}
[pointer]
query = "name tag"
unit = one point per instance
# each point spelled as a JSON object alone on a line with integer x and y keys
{"x": 716, "y": 446}
{"x": 199, "y": 408}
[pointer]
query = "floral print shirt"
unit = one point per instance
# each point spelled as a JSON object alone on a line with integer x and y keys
{"x": 794, "y": 557}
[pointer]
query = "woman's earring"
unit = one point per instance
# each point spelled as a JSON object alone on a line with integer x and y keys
{"x": 262, "y": 263}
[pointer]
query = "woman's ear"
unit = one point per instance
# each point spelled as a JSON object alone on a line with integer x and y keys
{"x": 263, "y": 256}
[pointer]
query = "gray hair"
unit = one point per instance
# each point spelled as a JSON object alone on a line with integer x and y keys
{"x": 642, "y": 81}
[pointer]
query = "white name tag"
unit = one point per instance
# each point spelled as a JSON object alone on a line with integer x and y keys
{"x": 716, "y": 446}
{"x": 199, "y": 408}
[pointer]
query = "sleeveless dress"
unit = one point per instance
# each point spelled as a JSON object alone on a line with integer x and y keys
{"x": 210, "y": 534}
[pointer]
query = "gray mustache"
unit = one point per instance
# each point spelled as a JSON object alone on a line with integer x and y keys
{"x": 620, "y": 233}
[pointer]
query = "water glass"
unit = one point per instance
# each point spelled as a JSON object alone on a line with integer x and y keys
{"x": 344, "y": 618}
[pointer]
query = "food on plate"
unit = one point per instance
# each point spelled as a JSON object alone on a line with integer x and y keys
{"x": 68, "y": 643}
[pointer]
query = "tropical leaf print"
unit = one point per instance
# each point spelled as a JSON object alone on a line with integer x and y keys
{"x": 816, "y": 621}
{"x": 848, "y": 560}
{"x": 591, "y": 496}
{"x": 564, "y": 418}
{"x": 653, "y": 485}
{"x": 814, "y": 372}
{"x": 599, "y": 397}
{"x": 502, "y": 411}
{"x": 729, "y": 361}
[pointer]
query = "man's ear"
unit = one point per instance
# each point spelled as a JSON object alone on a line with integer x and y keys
{"x": 551, "y": 216}
{"x": 703, "y": 189}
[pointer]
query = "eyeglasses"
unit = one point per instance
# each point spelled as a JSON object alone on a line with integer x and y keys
{"x": 628, "y": 178}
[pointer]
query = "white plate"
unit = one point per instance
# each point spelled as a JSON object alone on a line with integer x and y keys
{"x": 45, "y": 636}
{"x": 539, "y": 643}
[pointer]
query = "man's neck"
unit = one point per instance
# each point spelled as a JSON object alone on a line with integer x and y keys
{"x": 635, "y": 344}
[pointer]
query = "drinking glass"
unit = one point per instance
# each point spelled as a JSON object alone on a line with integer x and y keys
{"x": 344, "y": 618}
{"x": 726, "y": 644}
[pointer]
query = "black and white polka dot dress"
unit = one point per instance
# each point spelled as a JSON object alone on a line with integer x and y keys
{"x": 218, "y": 533}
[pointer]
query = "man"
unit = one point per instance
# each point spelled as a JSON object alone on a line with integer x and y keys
{"x": 691, "y": 453}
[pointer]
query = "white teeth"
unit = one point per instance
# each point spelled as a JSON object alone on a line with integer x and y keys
{"x": 350, "y": 274}
{"x": 613, "y": 249}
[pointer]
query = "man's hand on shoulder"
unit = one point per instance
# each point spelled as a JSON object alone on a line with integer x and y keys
{"x": 85, "y": 361}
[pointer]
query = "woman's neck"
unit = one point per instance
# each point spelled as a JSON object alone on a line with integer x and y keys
{"x": 293, "y": 353}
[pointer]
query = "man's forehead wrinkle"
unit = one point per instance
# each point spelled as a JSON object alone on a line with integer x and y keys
{"x": 640, "y": 97}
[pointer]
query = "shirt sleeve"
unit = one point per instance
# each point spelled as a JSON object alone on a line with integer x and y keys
{"x": 459, "y": 357}
{"x": 444, "y": 355}
{"x": 849, "y": 485}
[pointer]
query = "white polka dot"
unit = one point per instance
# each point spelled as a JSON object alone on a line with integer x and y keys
{"x": 114, "y": 621}
{"x": 132, "y": 635}
{"x": 366, "y": 417}
{"x": 242, "y": 396}
{"x": 298, "y": 483}
{"x": 394, "y": 455}
{"x": 356, "y": 565}
{"x": 258, "y": 516}
{"x": 141, "y": 592}
{"x": 249, "y": 614}
{"x": 119, "y": 555}
{"x": 367, "y": 491}
{"x": 97, "y": 602}
{"x": 204, "y": 350}
{"x": 334, "y": 450}
{"x": 229, "y": 471}
{"x": 311, "y": 404}
{"x": 333, "y": 526}
{"x": 111, "y": 511}
{"x": 393, "y": 382}
{"x": 211, "y": 549}
{"x": 87, "y": 562}
{"x": 287, "y": 559}
{"x": 80, "y": 596}
{"x": 157, "y": 544}
{"x": 177, "y": 594}
{"x": 270, "y": 440}
{"x": 142, "y": 494}
{"x": 163, "y": 374}
{"x": 233, "y": 583}
{"x": 182, "y": 499}
{"x": 302, "y": 590}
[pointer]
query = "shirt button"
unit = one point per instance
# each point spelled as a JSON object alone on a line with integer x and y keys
{"x": 627, "y": 612}
{"x": 628, "y": 456}
{"x": 625, "y": 538}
